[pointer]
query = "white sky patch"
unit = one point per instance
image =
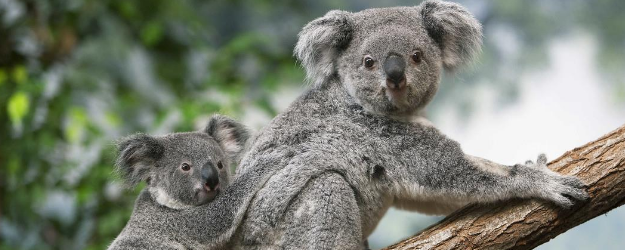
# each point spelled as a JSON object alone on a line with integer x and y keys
{"x": 255, "y": 118}
{"x": 560, "y": 109}
{"x": 283, "y": 97}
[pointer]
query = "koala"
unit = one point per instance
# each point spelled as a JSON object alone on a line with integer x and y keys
{"x": 182, "y": 171}
{"x": 323, "y": 173}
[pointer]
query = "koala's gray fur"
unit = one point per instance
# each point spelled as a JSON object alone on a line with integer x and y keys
{"x": 182, "y": 170}
{"x": 325, "y": 171}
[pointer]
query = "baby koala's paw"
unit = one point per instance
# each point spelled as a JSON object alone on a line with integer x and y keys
{"x": 560, "y": 189}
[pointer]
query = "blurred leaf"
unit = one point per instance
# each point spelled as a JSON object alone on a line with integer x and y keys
{"x": 152, "y": 33}
{"x": 20, "y": 75}
{"x": 84, "y": 193}
{"x": 3, "y": 76}
{"x": 127, "y": 9}
{"x": 13, "y": 166}
{"x": 76, "y": 125}
{"x": 18, "y": 107}
{"x": 113, "y": 119}
{"x": 244, "y": 42}
{"x": 111, "y": 223}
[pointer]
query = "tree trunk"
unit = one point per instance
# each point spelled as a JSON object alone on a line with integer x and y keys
{"x": 525, "y": 224}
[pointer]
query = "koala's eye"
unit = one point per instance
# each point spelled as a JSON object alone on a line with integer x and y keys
{"x": 417, "y": 56}
{"x": 185, "y": 167}
{"x": 220, "y": 165}
{"x": 368, "y": 60}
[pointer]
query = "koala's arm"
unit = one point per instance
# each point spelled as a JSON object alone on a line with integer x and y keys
{"x": 324, "y": 215}
{"x": 447, "y": 179}
{"x": 444, "y": 205}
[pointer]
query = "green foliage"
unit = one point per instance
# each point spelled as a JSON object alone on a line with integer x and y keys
{"x": 18, "y": 108}
{"x": 102, "y": 70}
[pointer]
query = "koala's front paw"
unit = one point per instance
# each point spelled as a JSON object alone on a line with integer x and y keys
{"x": 562, "y": 190}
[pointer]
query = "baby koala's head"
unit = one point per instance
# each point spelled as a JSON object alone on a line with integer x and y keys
{"x": 183, "y": 169}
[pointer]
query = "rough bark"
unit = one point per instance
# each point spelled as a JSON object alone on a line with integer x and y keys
{"x": 525, "y": 224}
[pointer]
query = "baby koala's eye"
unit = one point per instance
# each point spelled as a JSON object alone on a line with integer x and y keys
{"x": 185, "y": 167}
{"x": 220, "y": 165}
{"x": 368, "y": 61}
{"x": 417, "y": 56}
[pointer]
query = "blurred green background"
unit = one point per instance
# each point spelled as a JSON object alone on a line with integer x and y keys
{"x": 75, "y": 75}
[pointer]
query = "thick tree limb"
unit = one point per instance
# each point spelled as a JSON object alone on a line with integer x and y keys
{"x": 525, "y": 224}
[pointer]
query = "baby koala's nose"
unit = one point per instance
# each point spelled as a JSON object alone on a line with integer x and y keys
{"x": 210, "y": 177}
{"x": 394, "y": 67}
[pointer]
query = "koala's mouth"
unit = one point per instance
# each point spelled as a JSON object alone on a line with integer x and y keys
{"x": 204, "y": 196}
{"x": 397, "y": 97}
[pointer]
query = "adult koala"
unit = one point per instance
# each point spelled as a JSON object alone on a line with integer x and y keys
{"x": 348, "y": 149}
{"x": 182, "y": 171}
{"x": 325, "y": 171}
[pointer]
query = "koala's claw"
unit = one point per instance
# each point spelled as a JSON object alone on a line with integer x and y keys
{"x": 562, "y": 190}
{"x": 541, "y": 162}
{"x": 565, "y": 190}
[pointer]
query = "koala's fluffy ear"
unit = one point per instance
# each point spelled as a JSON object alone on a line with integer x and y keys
{"x": 454, "y": 29}
{"x": 319, "y": 43}
{"x": 136, "y": 155}
{"x": 230, "y": 134}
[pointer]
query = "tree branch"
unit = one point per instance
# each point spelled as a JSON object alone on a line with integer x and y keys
{"x": 525, "y": 224}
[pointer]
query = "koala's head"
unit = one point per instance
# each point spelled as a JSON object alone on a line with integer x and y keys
{"x": 389, "y": 59}
{"x": 183, "y": 169}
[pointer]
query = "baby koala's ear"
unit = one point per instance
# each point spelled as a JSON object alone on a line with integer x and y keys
{"x": 230, "y": 134}
{"x": 137, "y": 154}
{"x": 454, "y": 29}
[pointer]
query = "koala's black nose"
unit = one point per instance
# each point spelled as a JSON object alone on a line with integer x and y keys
{"x": 394, "y": 67}
{"x": 210, "y": 176}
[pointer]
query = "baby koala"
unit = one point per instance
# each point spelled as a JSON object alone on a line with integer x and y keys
{"x": 182, "y": 170}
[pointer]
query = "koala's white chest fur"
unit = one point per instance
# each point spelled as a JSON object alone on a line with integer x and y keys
{"x": 161, "y": 197}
